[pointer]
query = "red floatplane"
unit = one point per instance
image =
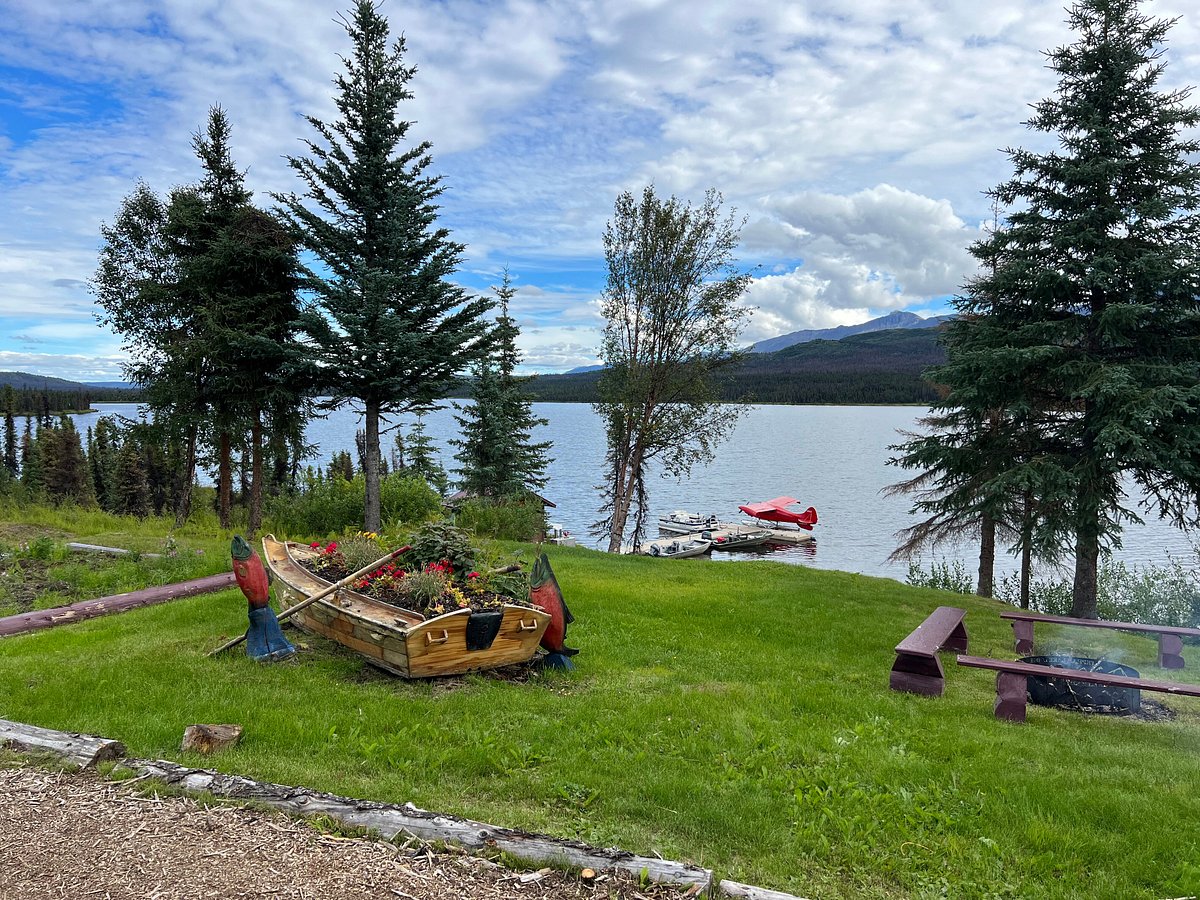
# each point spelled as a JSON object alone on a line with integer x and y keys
{"x": 777, "y": 513}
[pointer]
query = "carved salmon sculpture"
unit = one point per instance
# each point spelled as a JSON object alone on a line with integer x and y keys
{"x": 264, "y": 639}
{"x": 545, "y": 594}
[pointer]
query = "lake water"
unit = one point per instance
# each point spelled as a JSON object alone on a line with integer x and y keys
{"x": 830, "y": 457}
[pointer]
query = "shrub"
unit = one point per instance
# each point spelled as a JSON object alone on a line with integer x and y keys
{"x": 437, "y": 542}
{"x": 325, "y": 506}
{"x": 506, "y": 519}
{"x": 942, "y": 576}
{"x": 1153, "y": 595}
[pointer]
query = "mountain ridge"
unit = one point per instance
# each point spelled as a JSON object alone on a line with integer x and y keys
{"x": 900, "y": 319}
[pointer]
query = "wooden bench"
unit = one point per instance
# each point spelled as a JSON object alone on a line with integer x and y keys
{"x": 1012, "y": 683}
{"x": 1170, "y": 637}
{"x": 917, "y": 668}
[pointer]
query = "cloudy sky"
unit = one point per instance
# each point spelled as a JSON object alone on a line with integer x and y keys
{"x": 856, "y": 144}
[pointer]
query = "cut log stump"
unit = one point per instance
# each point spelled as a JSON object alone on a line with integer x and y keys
{"x": 210, "y": 738}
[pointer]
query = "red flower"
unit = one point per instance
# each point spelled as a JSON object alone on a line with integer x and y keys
{"x": 315, "y": 545}
{"x": 472, "y": 574}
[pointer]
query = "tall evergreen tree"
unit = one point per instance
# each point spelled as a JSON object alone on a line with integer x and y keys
{"x": 130, "y": 493}
{"x": 31, "y": 461}
{"x": 1085, "y": 323}
{"x": 392, "y": 332}
{"x": 11, "y": 459}
{"x": 65, "y": 472}
{"x": 423, "y": 457}
{"x": 202, "y": 287}
{"x": 499, "y": 458}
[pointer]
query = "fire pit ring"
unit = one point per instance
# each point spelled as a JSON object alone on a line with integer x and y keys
{"x": 1060, "y": 691}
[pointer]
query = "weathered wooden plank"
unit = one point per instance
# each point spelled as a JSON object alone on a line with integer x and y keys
{"x": 114, "y": 551}
{"x": 79, "y": 749}
{"x": 390, "y": 820}
{"x": 737, "y": 889}
{"x": 117, "y": 603}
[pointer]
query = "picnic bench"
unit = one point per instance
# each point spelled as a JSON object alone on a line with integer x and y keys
{"x": 1170, "y": 637}
{"x": 917, "y": 668}
{"x": 1012, "y": 683}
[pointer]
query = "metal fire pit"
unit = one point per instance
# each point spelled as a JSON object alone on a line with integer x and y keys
{"x": 1059, "y": 691}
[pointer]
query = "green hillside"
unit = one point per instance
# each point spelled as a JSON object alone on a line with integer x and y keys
{"x": 878, "y": 367}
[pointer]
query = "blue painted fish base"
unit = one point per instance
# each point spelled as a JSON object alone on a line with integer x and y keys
{"x": 558, "y": 661}
{"x": 264, "y": 639}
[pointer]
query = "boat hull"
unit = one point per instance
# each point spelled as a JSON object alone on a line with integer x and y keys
{"x": 683, "y": 549}
{"x": 401, "y": 641}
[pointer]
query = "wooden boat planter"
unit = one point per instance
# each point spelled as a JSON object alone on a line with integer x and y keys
{"x": 402, "y": 641}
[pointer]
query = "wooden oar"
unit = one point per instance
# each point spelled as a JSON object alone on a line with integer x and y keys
{"x": 320, "y": 595}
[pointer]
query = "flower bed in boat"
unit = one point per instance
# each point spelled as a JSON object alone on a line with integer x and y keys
{"x": 429, "y": 587}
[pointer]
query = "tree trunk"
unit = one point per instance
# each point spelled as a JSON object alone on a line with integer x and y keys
{"x": 987, "y": 555}
{"x": 371, "y": 511}
{"x": 1026, "y": 567}
{"x": 624, "y": 490}
{"x": 224, "y": 482}
{"x": 184, "y": 479}
{"x": 256, "y": 474}
{"x": 1087, "y": 557}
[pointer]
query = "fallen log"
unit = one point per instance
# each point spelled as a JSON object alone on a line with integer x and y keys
{"x": 90, "y": 609}
{"x": 112, "y": 551}
{"x": 390, "y": 820}
{"x": 750, "y": 892}
{"x": 79, "y": 749}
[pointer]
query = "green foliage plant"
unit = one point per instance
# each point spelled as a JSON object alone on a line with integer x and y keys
{"x": 672, "y": 321}
{"x": 438, "y": 542}
{"x": 499, "y": 458}
{"x": 389, "y": 327}
{"x": 1083, "y": 324}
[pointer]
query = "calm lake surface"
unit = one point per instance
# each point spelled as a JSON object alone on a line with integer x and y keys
{"x": 830, "y": 457}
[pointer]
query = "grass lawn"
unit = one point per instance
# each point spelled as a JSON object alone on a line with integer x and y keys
{"x": 733, "y": 715}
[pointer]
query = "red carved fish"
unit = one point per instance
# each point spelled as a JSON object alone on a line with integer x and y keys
{"x": 545, "y": 594}
{"x": 250, "y": 574}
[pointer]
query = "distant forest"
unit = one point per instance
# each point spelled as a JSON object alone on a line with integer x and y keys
{"x": 881, "y": 367}
{"x": 22, "y": 394}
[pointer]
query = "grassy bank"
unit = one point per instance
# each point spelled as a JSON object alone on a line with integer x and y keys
{"x": 734, "y": 715}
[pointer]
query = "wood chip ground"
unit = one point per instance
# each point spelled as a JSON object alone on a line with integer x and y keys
{"x": 79, "y": 836}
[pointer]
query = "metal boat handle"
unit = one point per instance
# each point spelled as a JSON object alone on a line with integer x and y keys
{"x": 530, "y": 626}
{"x": 430, "y": 639}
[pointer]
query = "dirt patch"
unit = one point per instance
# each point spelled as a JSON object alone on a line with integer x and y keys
{"x": 75, "y": 835}
{"x": 23, "y": 581}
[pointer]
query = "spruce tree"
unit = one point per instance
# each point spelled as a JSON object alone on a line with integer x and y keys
{"x": 423, "y": 457}
{"x": 131, "y": 489}
{"x": 11, "y": 460}
{"x": 65, "y": 472}
{"x": 392, "y": 332}
{"x": 1085, "y": 323}
{"x": 498, "y": 455}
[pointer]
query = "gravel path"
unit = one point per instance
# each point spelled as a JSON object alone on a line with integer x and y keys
{"x": 80, "y": 837}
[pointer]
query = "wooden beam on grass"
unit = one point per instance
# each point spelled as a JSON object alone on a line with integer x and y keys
{"x": 117, "y": 603}
{"x": 78, "y": 749}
